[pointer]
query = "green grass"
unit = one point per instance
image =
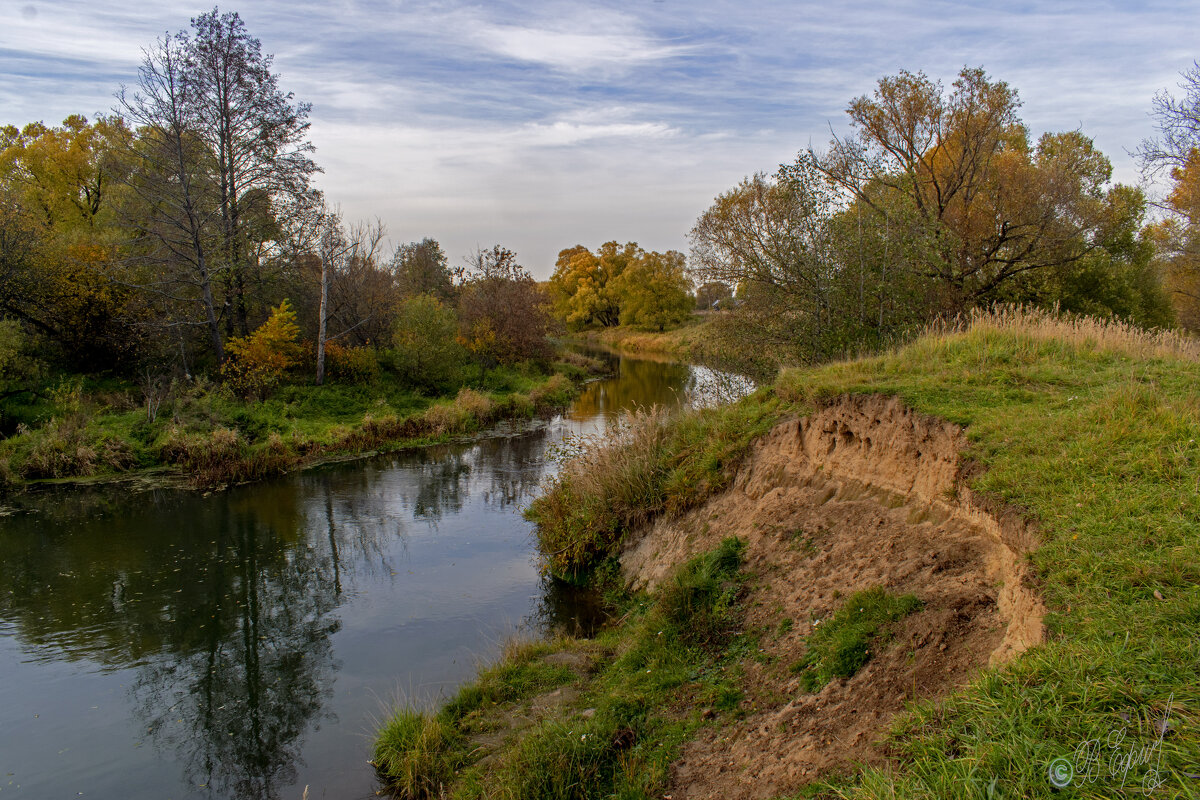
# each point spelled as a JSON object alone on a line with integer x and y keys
{"x": 201, "y": 431}
{"x": 1097, "y": 443}
{"x": 841, "y": 645}
{"x": 642, "y": 697}
{"x": 662, "y": 463}
{"x": 1091, "y": 431}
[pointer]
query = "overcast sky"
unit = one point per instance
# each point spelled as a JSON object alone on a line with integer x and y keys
{"x": 544, "y": 125}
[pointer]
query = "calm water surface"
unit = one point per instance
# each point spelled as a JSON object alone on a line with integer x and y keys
{"x": 164, "y": 645}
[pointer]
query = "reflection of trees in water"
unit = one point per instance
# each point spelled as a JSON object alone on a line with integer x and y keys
{"x": 235, "y": 704}
{"x": 639, "y": 383}
{"x": 224, "y": 607}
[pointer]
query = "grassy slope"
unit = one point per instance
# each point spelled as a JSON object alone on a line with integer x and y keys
{"x": 645, "y": 688}
{"x": 1091, "y": 430}
{"x": 1095, "y": 436}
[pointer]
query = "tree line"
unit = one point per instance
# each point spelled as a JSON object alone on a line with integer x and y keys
{"x": 937, "y": 201}
{"x": 182, "y": 234}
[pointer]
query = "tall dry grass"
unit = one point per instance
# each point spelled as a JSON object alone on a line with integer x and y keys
{"x": 1112, "y": 335}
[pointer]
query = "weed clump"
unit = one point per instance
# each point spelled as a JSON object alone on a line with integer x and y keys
{"x": 699, "y": 600}
{"x": 416, "y": 754}
{"x": 840, "y": 647}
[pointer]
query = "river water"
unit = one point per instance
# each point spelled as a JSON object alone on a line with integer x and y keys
{"x": 166, "y": 645}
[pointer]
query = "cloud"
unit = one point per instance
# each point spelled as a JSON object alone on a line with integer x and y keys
{"x": 543, "y": 125}
{"x": 571, "y": 51}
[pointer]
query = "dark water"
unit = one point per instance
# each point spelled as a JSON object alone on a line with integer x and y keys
{"x": 167, "y": 645}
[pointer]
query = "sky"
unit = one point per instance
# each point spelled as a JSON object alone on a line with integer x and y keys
{"x": 540, "y": 126}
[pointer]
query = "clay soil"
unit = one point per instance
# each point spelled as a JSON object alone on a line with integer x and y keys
{"x": 864, "y": 493}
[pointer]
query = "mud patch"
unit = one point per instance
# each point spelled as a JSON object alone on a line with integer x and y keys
{"x": 864, "y": 493}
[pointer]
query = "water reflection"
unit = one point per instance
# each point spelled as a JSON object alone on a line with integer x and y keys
{"x": 221, "y": 616}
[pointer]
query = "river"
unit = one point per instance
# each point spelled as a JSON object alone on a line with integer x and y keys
{"x": 167, "y": 645}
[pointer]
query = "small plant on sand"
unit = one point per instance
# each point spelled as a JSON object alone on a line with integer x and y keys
{"x": 839, "y": 647}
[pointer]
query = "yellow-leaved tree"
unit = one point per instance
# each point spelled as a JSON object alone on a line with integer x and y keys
{"x": 256, "y": 363}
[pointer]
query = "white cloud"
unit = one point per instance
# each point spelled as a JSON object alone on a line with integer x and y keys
{"x": 571, "y": 51}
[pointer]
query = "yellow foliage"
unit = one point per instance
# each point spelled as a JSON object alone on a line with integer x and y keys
{"x": 256, "y": 363}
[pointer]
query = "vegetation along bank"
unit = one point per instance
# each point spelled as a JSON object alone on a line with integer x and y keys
{"x": 927, "y": 573}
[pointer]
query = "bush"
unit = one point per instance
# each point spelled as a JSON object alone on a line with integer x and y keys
{"x": 256, "y": 363}
{"x": 425, "y": 351}
{"x": 351, "y": 364}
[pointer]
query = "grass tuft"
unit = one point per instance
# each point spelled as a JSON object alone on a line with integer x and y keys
{"x": 842, "y": 645}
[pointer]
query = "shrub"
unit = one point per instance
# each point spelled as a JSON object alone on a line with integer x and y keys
{"x": 256, "y": 363}
{"x": 351, "y": 364}
{"x": 425, "y": 351}
{"x": 556, "y": 392}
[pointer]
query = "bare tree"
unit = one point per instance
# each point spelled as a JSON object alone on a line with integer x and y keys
{"x": 174, "y": 217}
{"x": 1178, "y": 127}
{"x": 345, "y": 256}
{"x": 254, "y": 132}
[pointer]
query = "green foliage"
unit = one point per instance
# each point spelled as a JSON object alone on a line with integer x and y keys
{"x": 699, "y": 599}
{"x": 257, "y": 362}
{"x": 839, "y": 646}
{"x": 658, "y": 464}
{"x": 425, "y": 350}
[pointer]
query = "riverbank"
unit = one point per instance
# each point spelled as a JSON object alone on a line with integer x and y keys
{"x": 683, "y": 343}
{"x": 201, "y": 435}
{"x": 1033, "y": 483}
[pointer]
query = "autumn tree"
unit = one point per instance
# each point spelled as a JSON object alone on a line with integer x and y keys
{"x": 619, "y": 284}
{"x": 654, "y": 290}
{"x": 422, "y": 268}
{"x": 985, "y": 204}
{"x": 584, "y": 287}
{"x": 502, "y": 313}
{"x": 58, "y": 191}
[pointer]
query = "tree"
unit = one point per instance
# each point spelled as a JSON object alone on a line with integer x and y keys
{"x": 421, "y": 268}
{"x": 354, "y": 291}
{"x": 985, "y": 206}
{"x": 583, "y": 288}
{"x": 653, "y": 290}
{"x": 254, "y": 132}
{"x": 172, "y": 212}
{"x": 502, "y": 313}
{"x": 425, "y": 347}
